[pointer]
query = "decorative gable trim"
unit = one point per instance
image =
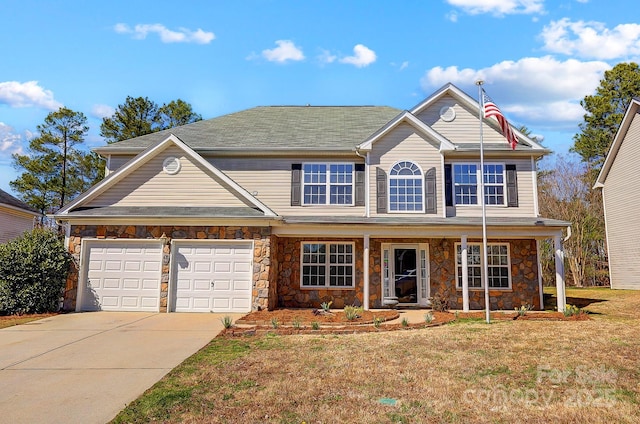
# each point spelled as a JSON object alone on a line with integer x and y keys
{"x": 632, "y": 110}
{"x": 413, "y": 121}
{"x": 144, "y": 157}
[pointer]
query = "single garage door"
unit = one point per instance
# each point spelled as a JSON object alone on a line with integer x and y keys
{"x": 212, "y": 276}
{"x": 121, "y": 275}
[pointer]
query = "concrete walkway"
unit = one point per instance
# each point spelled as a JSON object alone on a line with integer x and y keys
{"x": 86, "y": 367}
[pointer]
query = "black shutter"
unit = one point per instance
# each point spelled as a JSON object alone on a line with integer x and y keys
{"x": 360, "y": 191}
{"x": 381, "y": 190}
{"x": 430, "y": 191}
{"x": 296, "y": 188}
{"x": 512, "y": 186}
{"x": 448, "y": 185}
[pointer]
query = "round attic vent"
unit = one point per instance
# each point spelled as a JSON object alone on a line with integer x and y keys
{"x": 448, "y": 113}
{"x": 171, "y": 165}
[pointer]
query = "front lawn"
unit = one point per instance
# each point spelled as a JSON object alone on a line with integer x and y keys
{"x": 508, "y": 371}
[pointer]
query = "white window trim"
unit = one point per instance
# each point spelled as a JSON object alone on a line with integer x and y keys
{"x": 328, "y": 184}
{"x": 478, "y": 176}
{"x": 328, "y": 264}
{"x": 421, "y": 178}
{"x": 455, "y": 252}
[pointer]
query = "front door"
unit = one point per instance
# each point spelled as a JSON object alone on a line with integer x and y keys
{"x": 405, "y": 274}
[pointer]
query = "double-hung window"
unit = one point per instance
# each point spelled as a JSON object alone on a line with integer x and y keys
{"x": 327, "y": 265}
{"x": 466, "y": 179}
{"x": 327, "y": 184}
{"x": 498, "y": 265}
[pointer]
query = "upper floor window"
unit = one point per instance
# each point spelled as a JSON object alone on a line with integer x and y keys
{"x": 466, "y": 177}
{"x": 405, "y": 188}
{"x": 327, "y": 183}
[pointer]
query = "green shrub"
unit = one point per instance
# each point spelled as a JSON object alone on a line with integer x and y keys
{"x": 571, "y": 310}
{"x": 33, "y": 270}
{"x": 227, "y": 321}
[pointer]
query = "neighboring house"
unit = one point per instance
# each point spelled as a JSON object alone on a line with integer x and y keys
{"x": 294, "y": 206}
{"x": 16, "y": 217}
{"x": 621, "y": 196}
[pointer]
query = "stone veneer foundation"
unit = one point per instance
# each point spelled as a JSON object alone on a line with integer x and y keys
{"x": 264, "y": 270}
{"x": 524, "y": 275}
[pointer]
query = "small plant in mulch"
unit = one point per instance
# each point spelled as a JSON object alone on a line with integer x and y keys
{"x": 326, "y": 307}
{"x": 428, "y": 317}
{"x": 296, "y": 323}
{"x": 227, "y": 322}
{"x": 405, "y": 322}
{"x": 275, "y": 323}
{"x": 353, "y": 312}
{"x": 572, "y": 311}
{"x": 377, "y": 321}
{"x": 523, "y": 309}
{"x": 315, "y": 325}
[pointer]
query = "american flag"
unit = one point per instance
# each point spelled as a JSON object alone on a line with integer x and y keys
{"x": 490, "y": 109}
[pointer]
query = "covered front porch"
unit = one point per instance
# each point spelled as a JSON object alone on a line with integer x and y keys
{"x": 410, "y": 264}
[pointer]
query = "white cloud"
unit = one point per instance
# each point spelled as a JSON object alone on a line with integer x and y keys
{"x": 285, "y": 51}
{"x": 181, "y": 35}
{"x": 10, "y": 141}
{"x": 591, "y": 39}
{"x": 498, "y": 7}
{"x": 102, "y": 111}
{"x": 362, "y": 56}
{"x": 27, "y": 94}
{"x": 326, "y": 57}
{"x": 541, "y": 91}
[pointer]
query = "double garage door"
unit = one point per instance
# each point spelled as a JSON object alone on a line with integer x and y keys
{"x": 206, "y": 276}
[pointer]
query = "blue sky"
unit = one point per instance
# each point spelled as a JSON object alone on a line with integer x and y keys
{"x": 539, "y": 58}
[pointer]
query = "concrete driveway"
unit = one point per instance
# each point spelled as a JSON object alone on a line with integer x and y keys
{"x": 86, "y": 367}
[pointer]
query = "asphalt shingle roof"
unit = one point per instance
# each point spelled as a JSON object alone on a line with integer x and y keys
{"x": 268, "y": 128}
{"x": 7, "y": 199}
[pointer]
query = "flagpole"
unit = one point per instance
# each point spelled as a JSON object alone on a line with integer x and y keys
{"x": 485, "y": 265}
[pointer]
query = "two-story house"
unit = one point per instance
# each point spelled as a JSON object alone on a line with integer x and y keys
{"x": 294, "y": 206}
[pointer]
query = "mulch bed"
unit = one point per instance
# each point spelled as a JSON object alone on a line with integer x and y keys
{"x": 335, "y": 322}
{"x": 307, "y": 316}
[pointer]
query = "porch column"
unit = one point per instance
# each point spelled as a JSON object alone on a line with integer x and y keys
{"x": 365, "y": 265}
{"x": 559, "y": 259}
{"x": 540, "y": 289}
{"x": 465, "y": 274}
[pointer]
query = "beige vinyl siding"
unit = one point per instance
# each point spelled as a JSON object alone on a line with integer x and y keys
{"x": 403, "y": 143}
{"x": 621, "y": 198}
{"x": 149, "y": 185}
{"x": 525, "y": 177}
{"x": 464, "y": 128}
{"x": 270, "y": 178}
{"x": 13, "y": 223}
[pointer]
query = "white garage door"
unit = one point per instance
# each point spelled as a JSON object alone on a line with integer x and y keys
{"x": 212, "y": 276}
{"x": 121, "y": 275}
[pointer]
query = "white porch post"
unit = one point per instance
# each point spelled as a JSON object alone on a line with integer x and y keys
{"x": 465, "y": 273}
{"x": 559, "y": 259}
{"x": 540, "y": 289}
{"x": 365, "y": 265}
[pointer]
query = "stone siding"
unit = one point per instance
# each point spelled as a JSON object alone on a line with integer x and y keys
{"x": 442, "y": 264}
{"x": 290, "y": 295}
{"x": 263, "y": 293}
{"x": 524, "y": 276}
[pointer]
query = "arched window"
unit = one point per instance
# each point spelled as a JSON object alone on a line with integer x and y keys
{"x": 405, "y": 188}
